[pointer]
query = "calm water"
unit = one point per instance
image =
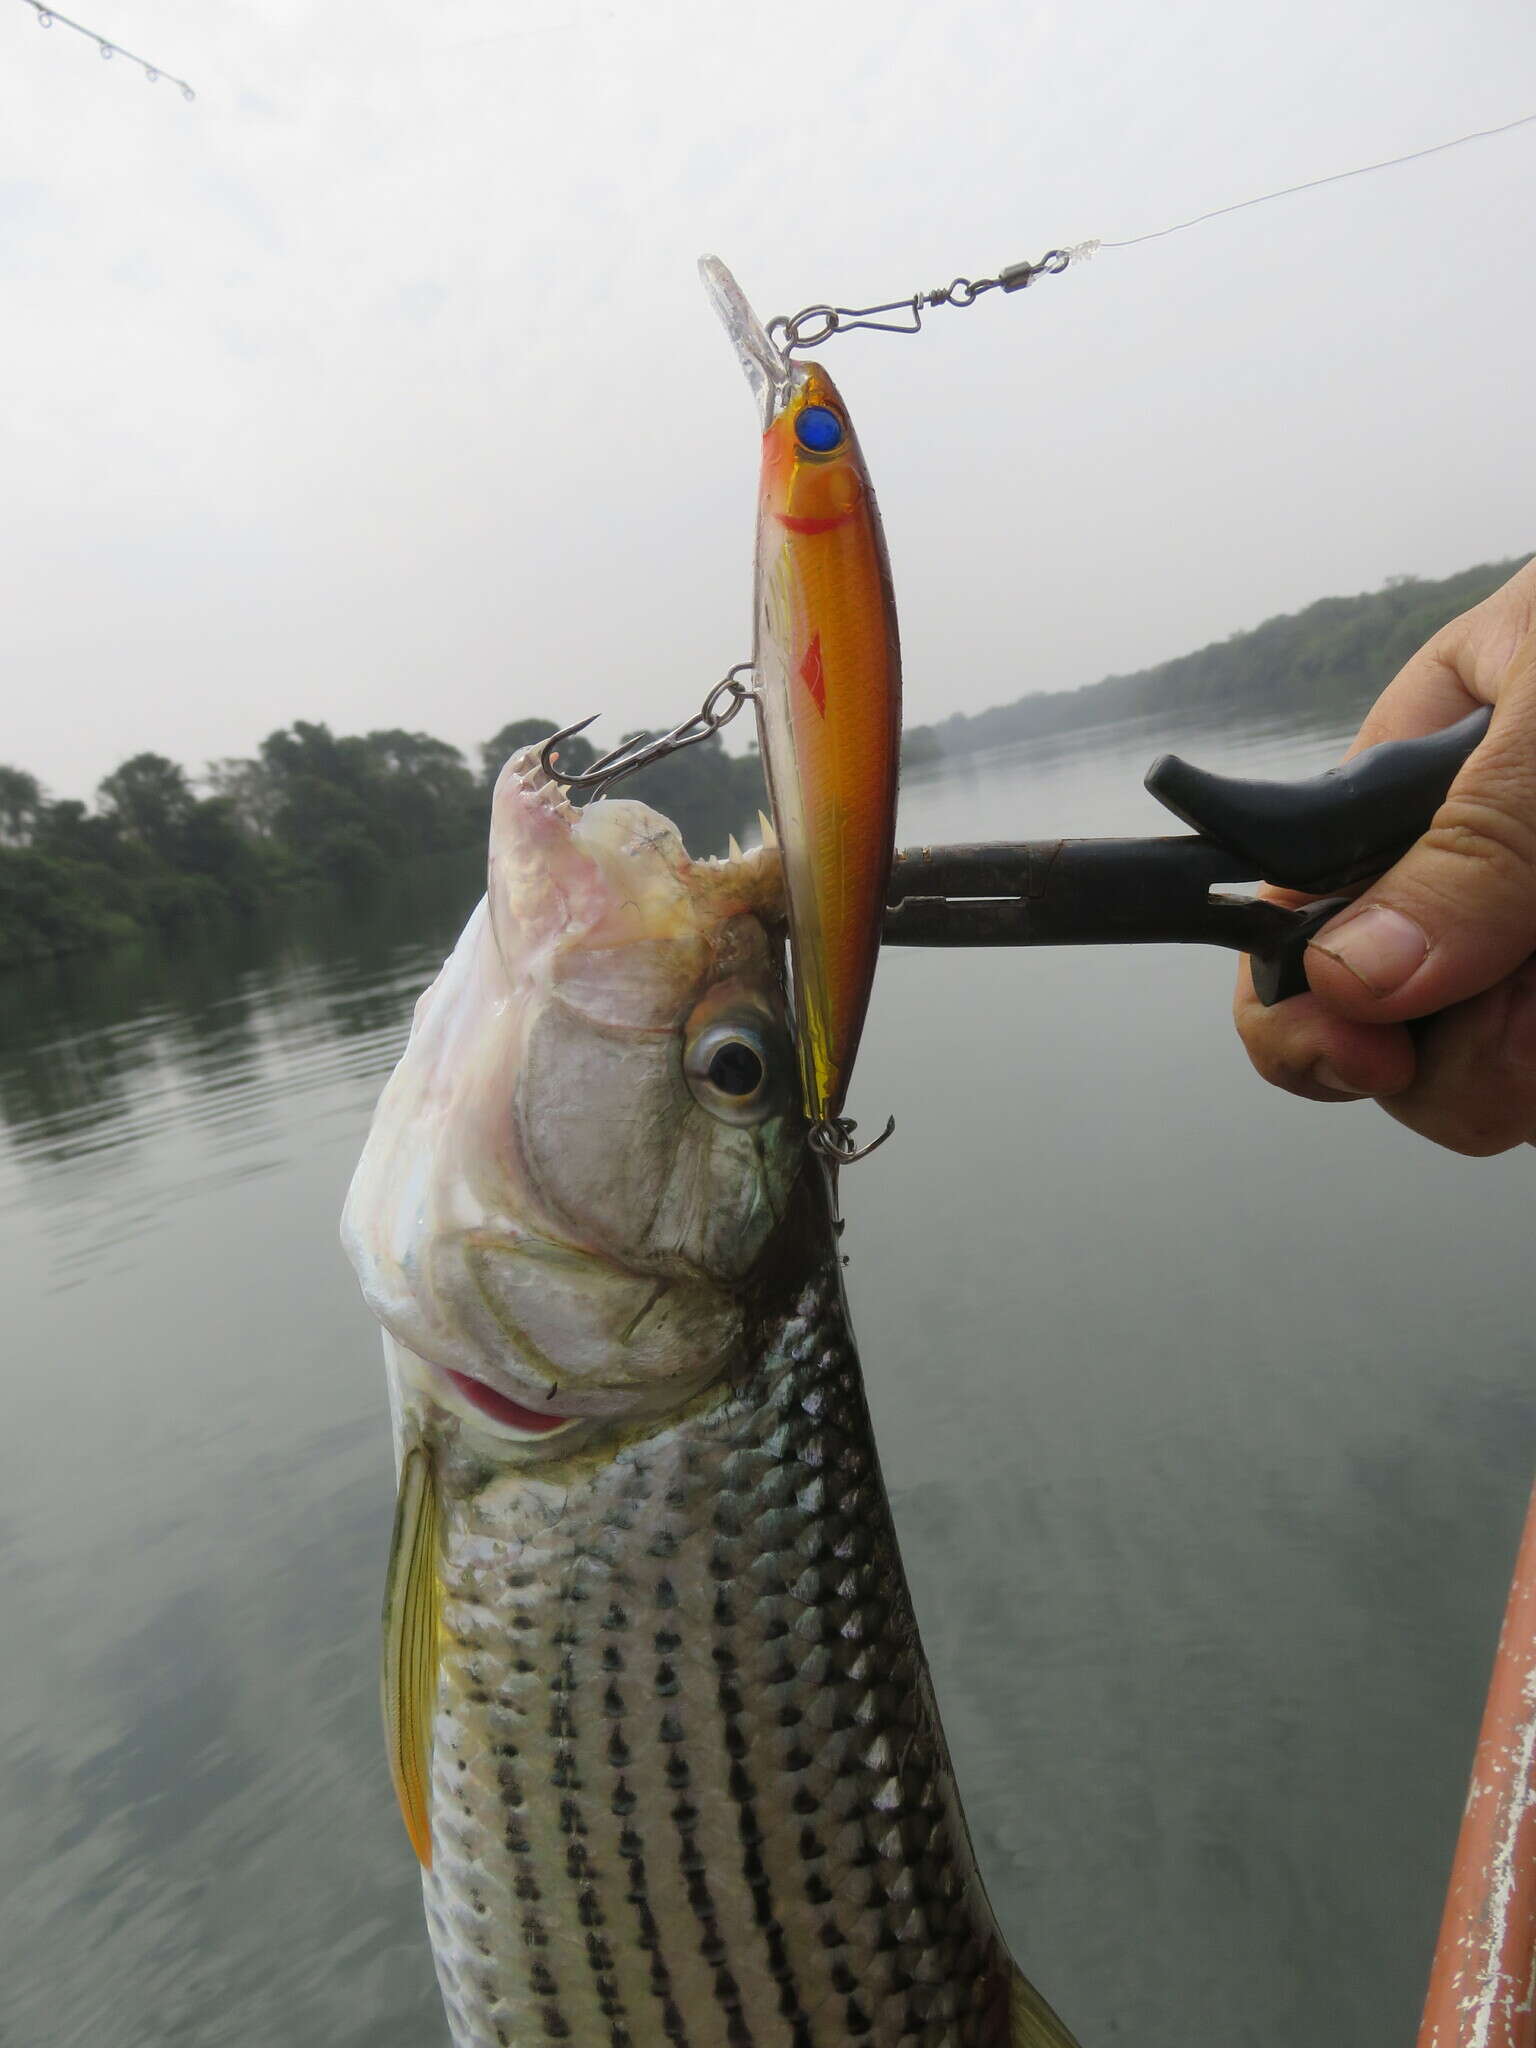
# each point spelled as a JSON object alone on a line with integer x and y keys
{"x": 1208, "y": 1417}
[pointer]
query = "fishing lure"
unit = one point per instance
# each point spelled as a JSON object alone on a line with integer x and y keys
{"x": 826, "y": 667}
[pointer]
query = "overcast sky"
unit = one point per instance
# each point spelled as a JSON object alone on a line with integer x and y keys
{"x": 376, "y": 385}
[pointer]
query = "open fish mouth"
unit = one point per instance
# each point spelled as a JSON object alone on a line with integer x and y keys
{"x": 514, "y": 1416}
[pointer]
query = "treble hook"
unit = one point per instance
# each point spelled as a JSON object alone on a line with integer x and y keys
{"x": 718, "y": 709}
{"x": 832, "y": 1138}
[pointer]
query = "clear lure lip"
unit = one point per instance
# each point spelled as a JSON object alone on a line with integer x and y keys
{"x": 769, "y": 371}
{"x": 501, "y": 1408}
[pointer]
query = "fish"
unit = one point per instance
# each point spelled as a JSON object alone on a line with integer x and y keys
{"x": 659, "y": 1718}
{"x": 826, "y": 667}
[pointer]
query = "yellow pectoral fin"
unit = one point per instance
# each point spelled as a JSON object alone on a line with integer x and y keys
{"x": 1034, "y": 2024}
{"x": 412, "y": 1605}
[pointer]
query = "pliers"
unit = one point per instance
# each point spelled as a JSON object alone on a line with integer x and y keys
{"x": 1319, "y": 837}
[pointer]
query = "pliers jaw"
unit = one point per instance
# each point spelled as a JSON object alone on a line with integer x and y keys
{"x": 1316, "y": 837}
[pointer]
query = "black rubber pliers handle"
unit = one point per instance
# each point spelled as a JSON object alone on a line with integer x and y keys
{"x": 1319, "y": 836}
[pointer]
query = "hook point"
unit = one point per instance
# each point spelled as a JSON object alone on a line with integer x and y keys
{"x": 568, "y": 732}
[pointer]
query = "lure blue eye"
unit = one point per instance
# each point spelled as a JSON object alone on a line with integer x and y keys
{"x": 819, "y": 429}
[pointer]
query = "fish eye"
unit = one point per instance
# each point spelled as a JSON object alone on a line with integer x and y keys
{"x": 819, "y": 430}
{"x": 736, "y": 1070}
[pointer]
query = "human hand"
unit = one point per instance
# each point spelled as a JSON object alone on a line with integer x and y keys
{"x": 1448, "y": 934}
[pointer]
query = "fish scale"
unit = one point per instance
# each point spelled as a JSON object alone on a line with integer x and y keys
{"x": 685, "y": 1741}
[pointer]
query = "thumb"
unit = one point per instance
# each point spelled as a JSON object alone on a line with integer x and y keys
{"x": 1458, "y": 912}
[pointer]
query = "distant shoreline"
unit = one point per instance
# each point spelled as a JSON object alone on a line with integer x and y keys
{"x": 1330, "y": 659}
{"x": 317, "y": 816}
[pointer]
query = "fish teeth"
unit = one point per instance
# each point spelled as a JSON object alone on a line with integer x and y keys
{"x": 732, "y": 848}
{"x": 537, "y": 785}
{"x": 770, "y": 837}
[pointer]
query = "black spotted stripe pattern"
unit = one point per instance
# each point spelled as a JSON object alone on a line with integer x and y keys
{"x": 689, "y": 1784}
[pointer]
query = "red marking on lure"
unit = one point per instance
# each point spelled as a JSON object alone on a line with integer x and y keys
{"x": 813, "y": 676}
{"x": 798, "y": 523}
{"x": 500, "y": 1408}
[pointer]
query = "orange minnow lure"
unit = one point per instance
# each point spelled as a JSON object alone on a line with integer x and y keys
{"x": 827, "y": 683}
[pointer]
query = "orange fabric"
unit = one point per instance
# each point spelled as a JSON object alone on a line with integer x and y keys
{"x": 1480, "y": 1990}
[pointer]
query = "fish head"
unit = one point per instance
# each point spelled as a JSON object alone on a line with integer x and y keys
{"x": 813, "y": 476}
{"x": 594, "y": 1131}
{"x": 653, "y": 1112}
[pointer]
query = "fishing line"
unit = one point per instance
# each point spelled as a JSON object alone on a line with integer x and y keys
{"x": 1387, "y": 163}
{"x": 813, "y": 325}
{"x": 47, "y": 16}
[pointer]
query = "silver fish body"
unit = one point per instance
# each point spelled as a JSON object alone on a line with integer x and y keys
{"x": 659, "y": 1718}
{"x": 686, "y": 1744}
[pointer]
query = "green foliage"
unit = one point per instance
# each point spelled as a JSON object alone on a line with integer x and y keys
{"x": 21, "y": 800}
{"x": 149, "y": 798}
{"x": 347, "y": 817}
{"x": 344, "y": 854}
{"x": 315, "y": 814}
{"x": 50, "y": 906}
{"x": 1330, "y": 660}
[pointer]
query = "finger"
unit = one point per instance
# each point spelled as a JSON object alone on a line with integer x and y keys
{"x": 1474, "y": 1087}
{"x": 1459, "y": 668}
{"x": 1426, "y": 694}
{"x": 1307, "y": 1049}
{"x": 1458, "y": 912}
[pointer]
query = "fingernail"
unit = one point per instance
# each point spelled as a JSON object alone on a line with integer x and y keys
{"x": 1326, "y": 1077}
{"x": 1380, "y": 947}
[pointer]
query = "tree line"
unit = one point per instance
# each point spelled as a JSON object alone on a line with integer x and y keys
{"x": 317, "y": 812}
{"x": 1329, "y": 660}
{"x": 311, "y": 812}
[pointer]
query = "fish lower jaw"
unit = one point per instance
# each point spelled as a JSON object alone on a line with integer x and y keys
{"x": 513, "y": 1418}
{"x": 490, "y": 1408}
{"x": 533, "y": 1413}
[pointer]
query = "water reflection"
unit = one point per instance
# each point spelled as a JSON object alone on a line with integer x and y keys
{"x": 218, "y": 1043}
{"x": 1207, "y": 1416}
